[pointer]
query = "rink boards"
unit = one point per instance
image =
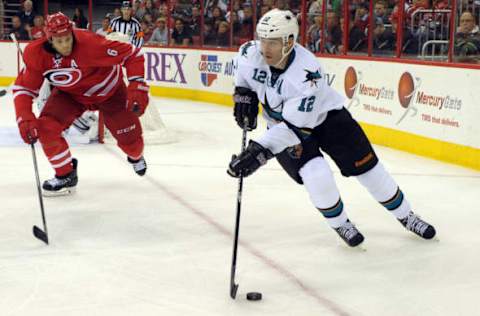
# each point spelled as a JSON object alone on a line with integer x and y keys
{"x": 425, "y": 110}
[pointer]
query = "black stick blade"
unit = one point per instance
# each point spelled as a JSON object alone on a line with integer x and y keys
{"x": 233, "y": 290}
{"x": 40, "y": 234}
{"x": 3, "y": 92}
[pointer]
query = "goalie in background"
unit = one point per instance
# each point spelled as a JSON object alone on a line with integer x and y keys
{"x": 85, "y": 70}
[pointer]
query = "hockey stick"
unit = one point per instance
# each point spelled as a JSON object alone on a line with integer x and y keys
{"x": 3, "y": 92}
{"x": 233, "y": 286}
{"x": 37, "y": 232}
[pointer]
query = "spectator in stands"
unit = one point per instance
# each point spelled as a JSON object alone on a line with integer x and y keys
{"x": 333, "y": 34}
{"x": 415, "y": 6}
{"x": 410, "y": 43}
{"x": 315, "y": 7}
{"x": 27, "y": 14}
{"x": 147, "y": 31}
{"x": 384, "y": 40}
{"x": 147, "y": 8}
{"x": 237, "y": 26}
{"x": 18, "y": 29}
{"x": 361, "y": 17}
{"x": 135, "y": 7}
{"x": 467, "y": 24}
{"x": 217, "y": 17}
{"x": 380, "y": 12}
{"x": 237, "y": 8}
{"x": 160, "y": 33}
{"x": 163, "y": 10}
{"x": 149, "y": 19}
{"x": 223, "y": 35}
{"x": 467, "y": 38}
{"x": 37, "y": 31}
{"x": 116, "y": 13}
{"x": 315, "y": 33}
{"x": 195, "y": 22}
{"x": 247, "y": 22}
{"x": 210, "y": 4}
{"x": 357, "y": 40}
{"x": 104, "y": 29}
{"x": 208, "y": 35}
{"x": 181, "y": 35}
{"x": 79, "y": 19}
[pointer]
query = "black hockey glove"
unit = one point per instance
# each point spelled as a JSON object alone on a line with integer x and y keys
{"x": 254, "y": 156}
{"x": 246, "y": 106}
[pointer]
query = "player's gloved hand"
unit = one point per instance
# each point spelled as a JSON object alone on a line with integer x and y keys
{"x": 247, "y": 162}
{"x": 137, "y": 99}
{"x": 246, "y": 106}
{"x": 28, "y": 128}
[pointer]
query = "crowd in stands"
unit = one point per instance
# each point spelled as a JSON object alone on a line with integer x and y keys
{"x": 229, "y": 23}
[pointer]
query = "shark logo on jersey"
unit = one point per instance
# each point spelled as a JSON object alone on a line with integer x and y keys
{"x": 313, "y": 77}
{"x": 245, "y": 48}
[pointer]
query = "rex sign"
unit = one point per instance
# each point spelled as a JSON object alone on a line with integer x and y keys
{"x": 165, "y": 67}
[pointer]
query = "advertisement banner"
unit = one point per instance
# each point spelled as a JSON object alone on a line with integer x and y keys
{"x": 430, "y": 101}
{"x": 210, "y": 71}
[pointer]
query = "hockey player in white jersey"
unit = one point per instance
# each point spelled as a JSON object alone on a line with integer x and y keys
{"x": 305, "y": 115}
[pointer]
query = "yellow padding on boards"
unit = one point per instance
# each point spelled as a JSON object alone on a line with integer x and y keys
{"x": 191, "y": 94}
{"x": 448, "y": 152}
{"x": 6, "y": 81}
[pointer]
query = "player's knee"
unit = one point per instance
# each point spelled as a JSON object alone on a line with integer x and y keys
{"x": 319, "y": 182}
{"x": 317, "y": 174}
{"x": 378, "y": 181}
{"x": 124, "y": 126}
{"x": 315, "y": 169}
{"x": 48, "y": 128}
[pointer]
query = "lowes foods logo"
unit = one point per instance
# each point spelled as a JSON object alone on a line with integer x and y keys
{"x": 209, "y": 69}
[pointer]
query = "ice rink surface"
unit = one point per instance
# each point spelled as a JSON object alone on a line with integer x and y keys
{"x": 162, "y": 244}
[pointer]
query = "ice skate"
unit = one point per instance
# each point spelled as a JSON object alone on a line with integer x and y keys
{"x": 139, "y": 166}
{"x": 350, "y": 234}
{"x": 418, "y": 226}
{"x": 64, "y": 185}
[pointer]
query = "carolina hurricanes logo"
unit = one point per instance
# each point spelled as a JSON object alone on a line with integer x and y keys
{"x": 63, "y": 77}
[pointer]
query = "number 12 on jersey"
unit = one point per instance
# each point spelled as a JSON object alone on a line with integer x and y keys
{"x": 307, "y": 104}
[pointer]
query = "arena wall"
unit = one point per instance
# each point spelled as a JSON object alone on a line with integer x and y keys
{"x": 422, "y": 109}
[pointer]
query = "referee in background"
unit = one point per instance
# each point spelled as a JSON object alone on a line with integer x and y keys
{"x": 128, "y": 25}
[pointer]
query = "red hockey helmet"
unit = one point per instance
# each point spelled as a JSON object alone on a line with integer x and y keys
{"x": 58, "y": 24}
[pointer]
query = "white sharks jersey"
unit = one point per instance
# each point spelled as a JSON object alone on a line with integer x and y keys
{"x": 296, "y": 100}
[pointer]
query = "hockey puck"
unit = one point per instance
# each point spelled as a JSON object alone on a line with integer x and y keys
{"x": 254, "y": 296}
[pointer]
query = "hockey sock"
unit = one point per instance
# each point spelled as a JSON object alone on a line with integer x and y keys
{"x": 320, "y": 184}
{"x": 385, "y": 190}
{"x": 335, "y": 215}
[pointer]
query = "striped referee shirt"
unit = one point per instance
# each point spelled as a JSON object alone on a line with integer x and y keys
{"x": 132, "y": 28}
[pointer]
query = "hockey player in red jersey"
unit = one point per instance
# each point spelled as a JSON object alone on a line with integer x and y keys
{"x": 85, "y": 70}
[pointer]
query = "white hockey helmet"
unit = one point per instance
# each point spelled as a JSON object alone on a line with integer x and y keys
{"x": 278, "y": 24}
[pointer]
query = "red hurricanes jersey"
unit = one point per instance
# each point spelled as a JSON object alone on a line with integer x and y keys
{"x": 91, "y": 73}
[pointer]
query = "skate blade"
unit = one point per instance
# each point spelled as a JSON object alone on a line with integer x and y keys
{"x": 61, "y": 192}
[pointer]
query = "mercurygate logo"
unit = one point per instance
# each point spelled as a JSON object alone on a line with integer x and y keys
{"x": 376, "y": 92}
